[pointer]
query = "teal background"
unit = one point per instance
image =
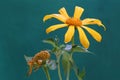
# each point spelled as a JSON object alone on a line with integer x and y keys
{"x": 22, "y": 31}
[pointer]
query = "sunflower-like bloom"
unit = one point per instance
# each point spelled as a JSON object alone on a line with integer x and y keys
{"x": 75, "y": 22}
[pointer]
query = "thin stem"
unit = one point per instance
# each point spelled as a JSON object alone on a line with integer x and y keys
{"x": 68, "y": 74}
{"x": 46, "y": 72}
{"x": 59, "y": 72}
{"x": 71, "y": 59}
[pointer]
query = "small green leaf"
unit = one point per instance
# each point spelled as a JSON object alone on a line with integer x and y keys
{"x": 82, "y": 73}
{"x": 65, "y": 62}
{"x": 50, "y": 41}
{"x": 76, "y": 48}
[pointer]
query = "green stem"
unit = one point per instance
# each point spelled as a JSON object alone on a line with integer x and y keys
{"x": 59, "y": 72}
{"x": 46, "y": 72}
{"x": 71, "y": 54}
{"x": 71, "y": 58}
{"x": 73, "y": 41}
{"x": 68, "y": 74}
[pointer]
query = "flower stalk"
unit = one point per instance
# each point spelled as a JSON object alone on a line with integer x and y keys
{"x": 59, "y": 71}
{"x": 46, "y": 72}
{"x": 68, "y": 75}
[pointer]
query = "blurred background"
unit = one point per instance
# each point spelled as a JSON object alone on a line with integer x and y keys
{"x": 22, "y": 31}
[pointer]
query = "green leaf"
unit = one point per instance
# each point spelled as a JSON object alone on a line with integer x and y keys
{"x": 65, "y": 62}
{"x": 76, "y": 48}
{"x": 50, "y": 41}
{"x": 82, "y": 73}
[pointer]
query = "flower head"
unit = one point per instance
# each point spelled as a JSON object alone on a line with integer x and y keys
{"x": 37, "y": 61}
{"x": 75, "y": 22}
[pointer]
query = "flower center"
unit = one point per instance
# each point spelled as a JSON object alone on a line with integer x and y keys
{"x": 74, "y": 21}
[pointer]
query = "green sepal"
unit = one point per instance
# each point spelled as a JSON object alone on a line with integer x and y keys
{"x": 77, "y": 48}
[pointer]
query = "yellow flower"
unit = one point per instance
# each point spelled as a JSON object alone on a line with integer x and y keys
{"x": 75, "y": 22}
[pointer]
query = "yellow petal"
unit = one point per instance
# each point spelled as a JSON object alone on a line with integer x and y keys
{"x": 93, "y": 33}
{"x": 57, "y": 16}
{"x": 63, "y": 12}
{"x": 55, "y": 27}
{"x": 69, "y": 34}
{"x": 78, "y": 12}
{"x": 91, "y": 21}
{"x": 83, "y": 38}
